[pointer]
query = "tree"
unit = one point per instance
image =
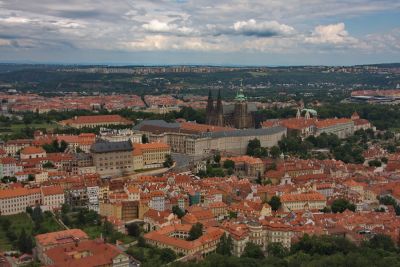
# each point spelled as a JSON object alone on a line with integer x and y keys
{"x": 232, "y": 215}
{"x": 340, "y": 205}
{"x": 168, "y": 161}
{"x": 252, "y": 146}
{"x": 145, "y": 139}
{"x": 31, "y": 177}
{"x": 225, "y": 245}
{"x": 37, "y": 214}
{"x": 48, "y": 165}
{"x": 275, "y": 203}
{"x": 375, "y": 163}
{"x": 229, "y": 164}
{"x": 195, "y": 232}
{"x": 107, "y": 230}
{"x": 29, "y": 210}
{"x": 178, "y": 211}
{"x": 63, "y": 146}
{"x": 141, "y": 241}
{"x": 217, "y": 158}
{"x": 382, "y": 241}
{"x": 133, "y": 229}
{"x": 25, "y": 243}
{"x": 65, "y": 208}
{"x": 167, "y": 255}
{"x": 277, "y": 249}
{"x": 251, "y": 250}
{"x": 275, "y": 152}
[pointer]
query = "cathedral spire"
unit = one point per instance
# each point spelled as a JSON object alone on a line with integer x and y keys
{"x": 219, "y": 102}
{"x": 210, "y": 108}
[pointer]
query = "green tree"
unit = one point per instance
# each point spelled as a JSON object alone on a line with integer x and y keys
{"x": 37, "y": 214}
{"x": 277, "y": 249}
{"x": 167, "y": 255}
{"x": 168, "y": 161}
{"x": 217, "y": 158}
{"x": 225, "y": 245}
{"x": 65, "y": 208}
{"x": 251, "y": 250}
{"x": 133, "y": 229}
{"x": 107, "y": 230}
{"x": 340, "y": 205}
{"x": 383, "y": 242}
{"x": 48, "y": 165}
{"x": 252, "y": 146}
{"x": 31, "y": 177}
{"x": 229, "y": 164}
{"x": 375, "y": 163}
{"x": 275, "y": 203}
{"x": 275, "y": 152}
{"x": 25, "y": 243}
{"x": 178, "y": 211}
{"x": 63, "y": 146}
{"x": 195, "y": 232}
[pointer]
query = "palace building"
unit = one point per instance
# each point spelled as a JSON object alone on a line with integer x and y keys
{"x": 239, "y": 114}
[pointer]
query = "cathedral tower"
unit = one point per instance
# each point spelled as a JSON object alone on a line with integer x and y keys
{"x": 210, "y": 109}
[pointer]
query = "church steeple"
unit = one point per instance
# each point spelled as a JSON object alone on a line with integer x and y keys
{"x": 210, "y": 108}
{"x": 210, "y": 102}
{"x": 219, "y": 102}
{"x": 219, "y": 112}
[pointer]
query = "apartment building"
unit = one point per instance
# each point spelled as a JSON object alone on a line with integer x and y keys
{"x": 303, "y": 201}
{"x": 15, "y": 200}
{"x": 95, "y": 121}
{"x": 112, "y": 158}
{"x": 52, "y": 197}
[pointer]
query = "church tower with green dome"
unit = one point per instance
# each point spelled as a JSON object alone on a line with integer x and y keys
{"x": 237, "y": 114}
{"x": 241, "y": 116}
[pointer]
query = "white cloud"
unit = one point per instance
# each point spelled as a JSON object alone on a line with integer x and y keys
{"x": 262, "y": 29}
{"x": 156, "y": 26}
{"x": 331, "y": 34}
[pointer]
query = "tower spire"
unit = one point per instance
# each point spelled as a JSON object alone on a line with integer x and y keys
{"x": 210, "y": 108}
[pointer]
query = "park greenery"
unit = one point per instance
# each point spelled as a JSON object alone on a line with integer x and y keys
{"x": 91, "y": 223}
{"x": 327, "y": 146}
{"x": 17, "y": 231}
{"x": 312, "y": 251}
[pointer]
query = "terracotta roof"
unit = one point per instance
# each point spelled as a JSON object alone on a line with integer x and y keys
{"x": 96, "y": 119}
{"x": 17, "y": 192}
{"x": 52, "y": 190}
{"x": 331, "y": 122}
{"x": 312, "y": 196}
{"x": 83, "y": 254}
{"x": 162, "y": 236}
{"x": 60, "y": 237}
{"x": 32, "y": 150}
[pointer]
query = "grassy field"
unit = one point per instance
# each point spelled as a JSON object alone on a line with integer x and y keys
{"x": 95, "y": 232}
{"x": 18, "y": 127}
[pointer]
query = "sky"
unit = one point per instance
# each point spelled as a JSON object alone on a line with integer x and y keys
{"x": 212, "y": 32}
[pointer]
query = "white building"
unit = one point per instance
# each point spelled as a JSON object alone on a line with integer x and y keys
{"x": 53, "y": 197}
{"x": 14, "y": 201}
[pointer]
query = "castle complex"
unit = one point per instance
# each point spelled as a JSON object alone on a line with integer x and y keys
{"x": 238, "y": 115}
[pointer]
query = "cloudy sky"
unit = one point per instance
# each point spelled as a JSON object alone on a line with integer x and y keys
{"x": 237, "y": 32}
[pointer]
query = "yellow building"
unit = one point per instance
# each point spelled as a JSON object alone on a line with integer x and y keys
{"x": 95, "y": 121}
{"x": 152, "y": 154}
{"x": 303, "y": 201}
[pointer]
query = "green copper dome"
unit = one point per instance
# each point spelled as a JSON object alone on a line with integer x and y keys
{"x": 240, "y": 95}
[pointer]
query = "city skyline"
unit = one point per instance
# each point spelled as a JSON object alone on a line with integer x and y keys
{"x": 238, "y": 33}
